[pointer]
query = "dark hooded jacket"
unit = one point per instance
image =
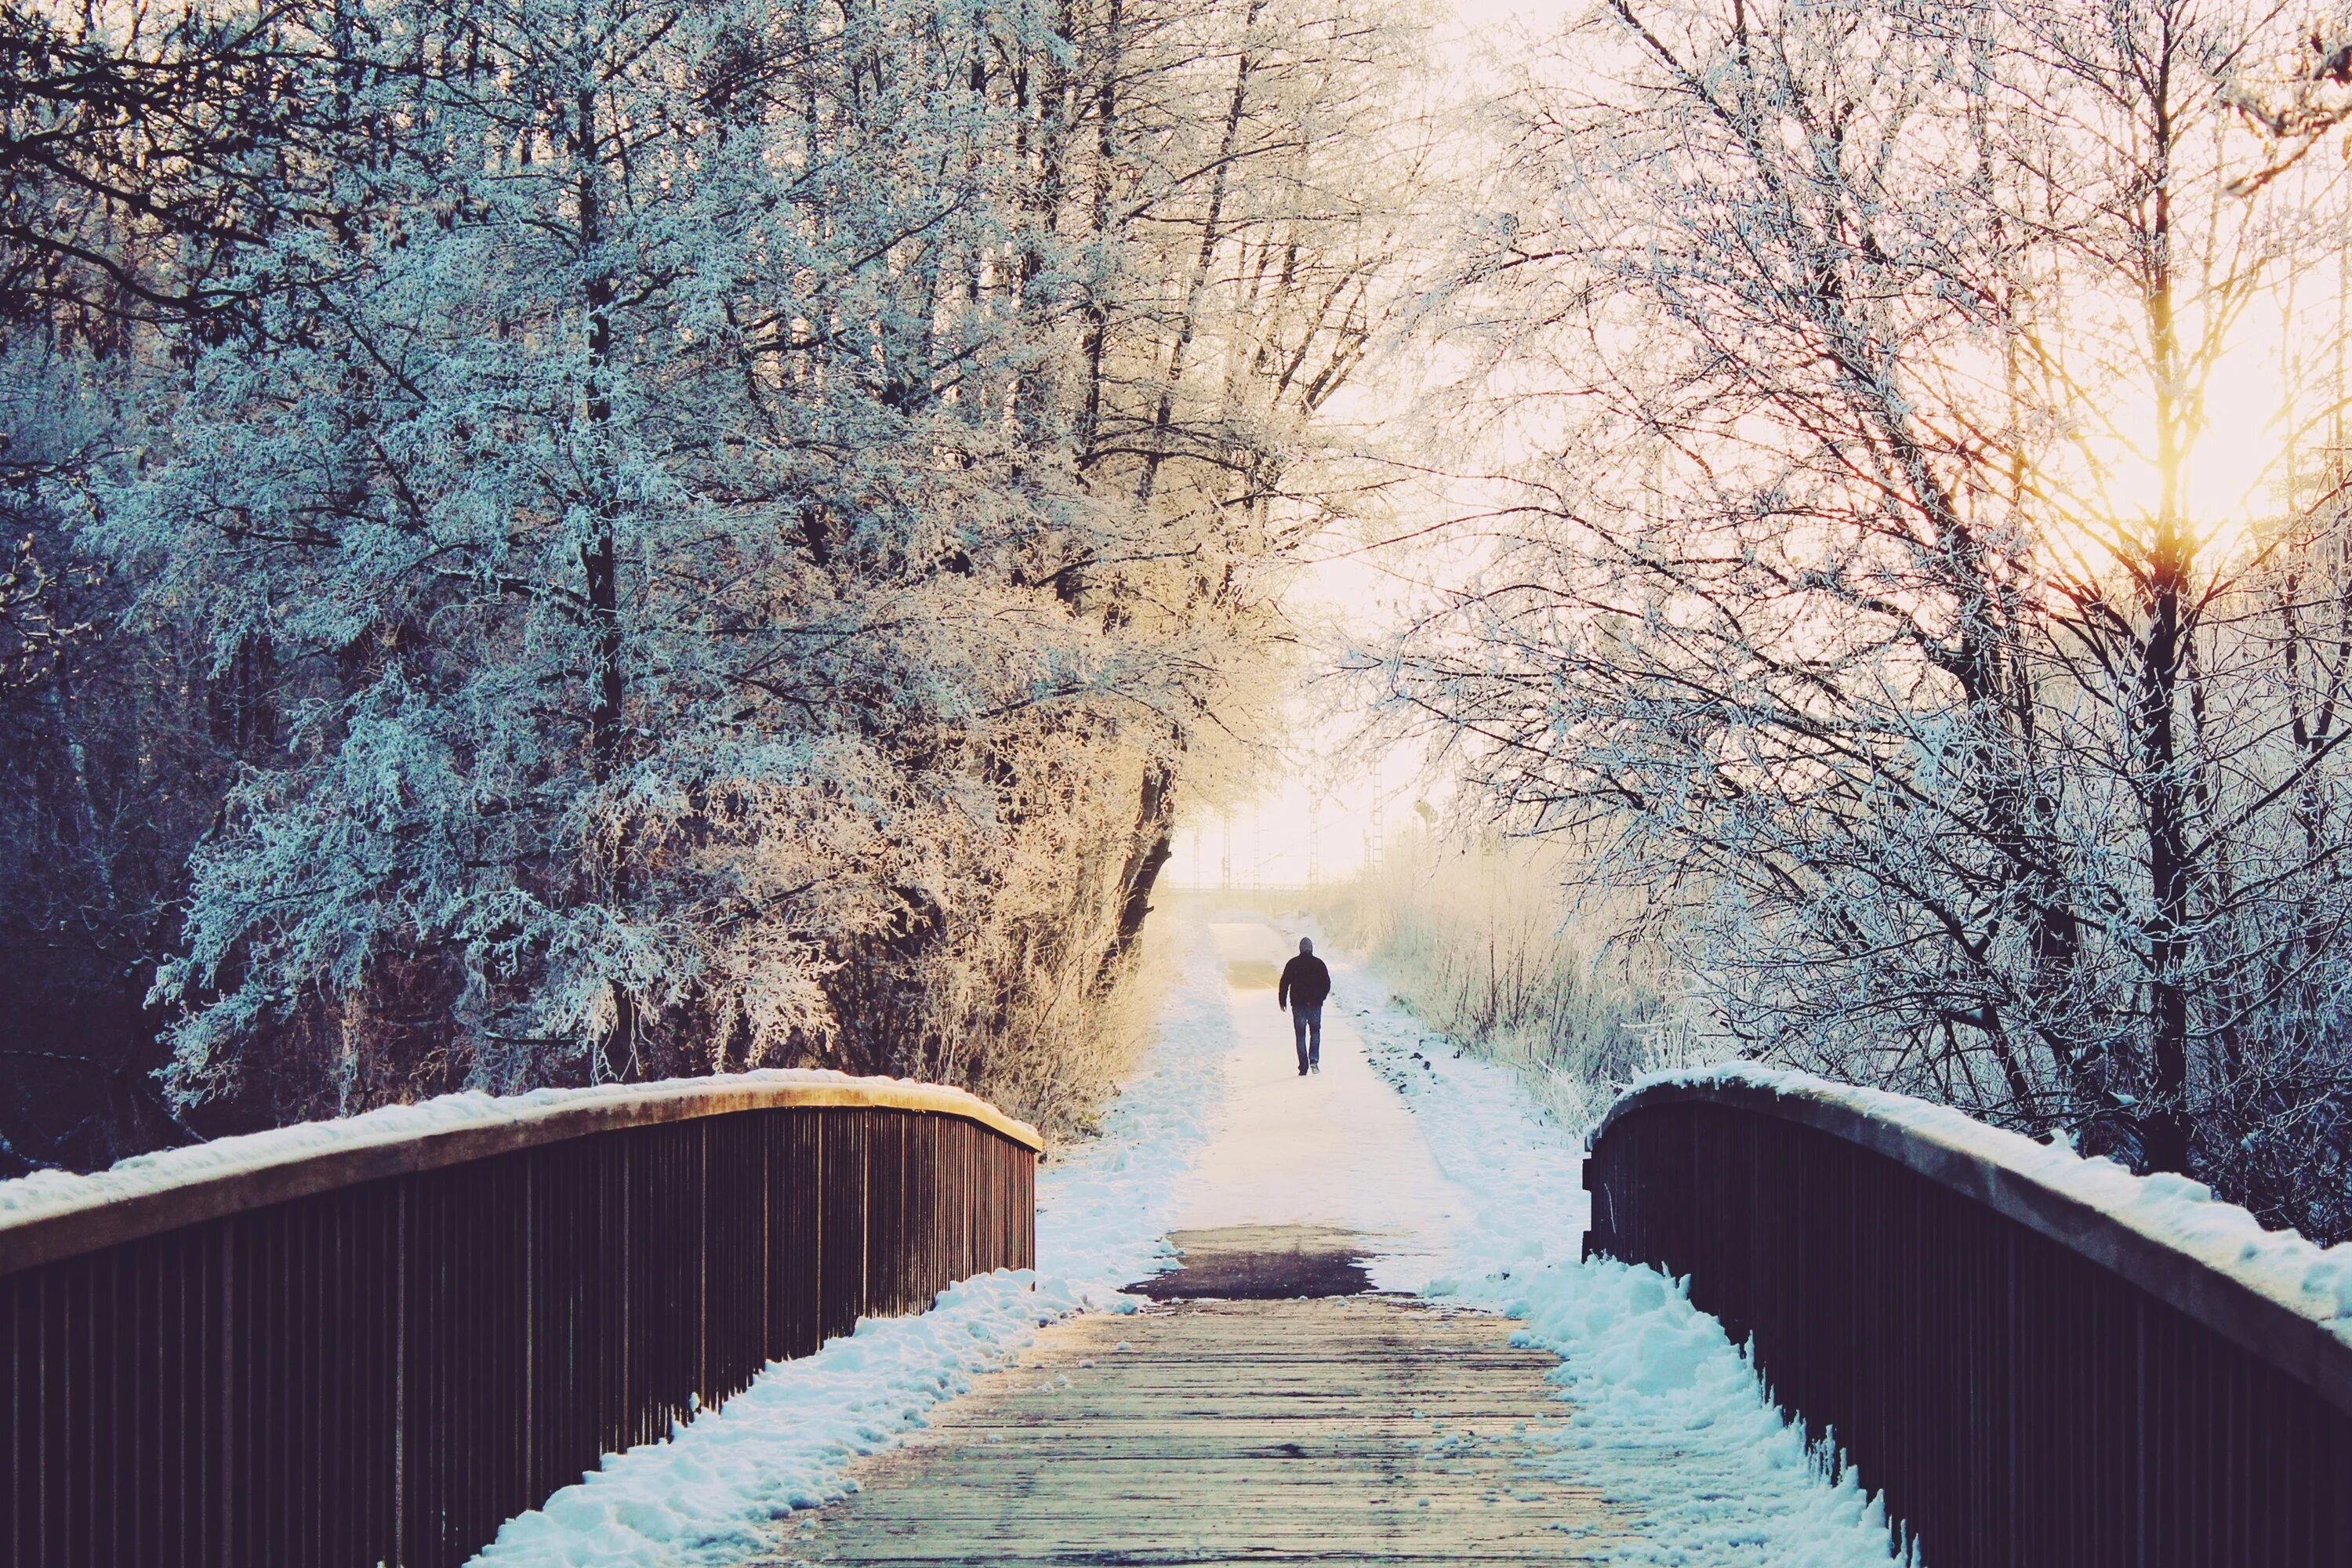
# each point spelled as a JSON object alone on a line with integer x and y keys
{"x": 1305, "y": 982}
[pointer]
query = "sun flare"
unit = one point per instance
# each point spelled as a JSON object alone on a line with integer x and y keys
{"x": 2243, "y": 438}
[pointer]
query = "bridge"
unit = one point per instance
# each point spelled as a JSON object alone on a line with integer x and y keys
{"x": 378, "y": 1341}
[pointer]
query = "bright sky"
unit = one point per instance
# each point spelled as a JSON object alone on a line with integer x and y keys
{"x": 1318, "y": 816}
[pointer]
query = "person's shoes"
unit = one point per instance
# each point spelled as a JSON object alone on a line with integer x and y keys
{"x": 1302, "y": 1072}
{"x": 1313, "y": 1066}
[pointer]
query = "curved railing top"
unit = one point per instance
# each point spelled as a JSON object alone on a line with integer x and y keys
{"x": 52, "y": 1215}
{"x": 2274, "y": 1292}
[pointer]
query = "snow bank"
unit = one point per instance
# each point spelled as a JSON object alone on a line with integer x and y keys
{"x": 45, "y": 1194}
{"x": 710, "y": 1493}
{"x": 2169, "y": 1209}
{"x": 1103, "y": 1207}
{"x": 1667, "y": 1418}
{"x": 1521, "y": 1174}
{"x": 1670, "y": 1420}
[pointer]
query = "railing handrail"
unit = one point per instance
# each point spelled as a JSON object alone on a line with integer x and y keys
{"x": 2084, "y": 1206}
{"x": 51, "y": 1216}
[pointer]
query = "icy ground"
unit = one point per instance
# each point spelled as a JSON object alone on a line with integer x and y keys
{"x": 1465, "y": 1193}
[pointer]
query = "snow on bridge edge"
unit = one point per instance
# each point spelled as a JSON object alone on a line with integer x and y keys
{"x": 2173, "y": 1211}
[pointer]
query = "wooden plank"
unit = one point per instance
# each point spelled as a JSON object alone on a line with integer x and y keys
{"x": 1362, "y": 1430}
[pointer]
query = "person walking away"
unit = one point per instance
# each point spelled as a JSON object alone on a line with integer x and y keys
{"x": 1304, "y": 985}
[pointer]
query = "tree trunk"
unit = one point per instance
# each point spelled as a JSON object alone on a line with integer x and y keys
{"x": 1211, "y": 235}
{"x": 2164, "y": 1122}
{"x": 600, "y": 564}
{"x": 1155, "y": 821}
{"x": 599, "y": 554}
{"x": 1098, "y": 313}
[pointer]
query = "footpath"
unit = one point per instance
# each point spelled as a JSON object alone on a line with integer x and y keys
{"x": 1333, "y": 1319}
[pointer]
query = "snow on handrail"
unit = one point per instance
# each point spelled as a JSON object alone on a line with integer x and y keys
{"x": 52, "y": 1215}
{"x": 2270, "y": 1291}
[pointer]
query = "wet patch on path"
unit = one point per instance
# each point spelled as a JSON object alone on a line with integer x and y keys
{"x": 1261, "y": 1263}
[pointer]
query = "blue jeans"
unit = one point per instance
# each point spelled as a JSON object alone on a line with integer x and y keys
{"x": 1307, "y": 1023}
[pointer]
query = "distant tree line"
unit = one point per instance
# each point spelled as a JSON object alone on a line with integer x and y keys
{"x": 561, "y": 540}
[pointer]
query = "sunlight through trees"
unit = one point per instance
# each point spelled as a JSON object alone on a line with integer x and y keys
{"x": 1903, "y": 595}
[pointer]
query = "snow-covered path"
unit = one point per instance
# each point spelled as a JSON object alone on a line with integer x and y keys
{"x": 1462, "y": 1193}
{"x": 1467, "y": 1194}
{"x": 1338, "y": 1148}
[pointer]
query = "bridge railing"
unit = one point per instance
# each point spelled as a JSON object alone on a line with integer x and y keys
{"x": 371, "y": 1341}
{"x": 2038, "y": 1360}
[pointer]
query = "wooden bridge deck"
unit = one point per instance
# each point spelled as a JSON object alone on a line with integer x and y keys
{"x": 1358, "y": 1429}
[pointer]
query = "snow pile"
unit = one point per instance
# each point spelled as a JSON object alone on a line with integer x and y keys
{"x": 2171, "y": 1210}
{"x": 44, "y": 1193}
{"x": 1668, "y": 1420}
{"x": 1103, "y": 1206}
{"x": 708, "y": 1495}
{"x": 1479, "y": 1123}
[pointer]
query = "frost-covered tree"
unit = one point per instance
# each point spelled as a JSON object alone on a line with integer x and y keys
{"x": 140, "y": 147}
{"x": 736, "y": 523}
{"x": 1864, "y": 594}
